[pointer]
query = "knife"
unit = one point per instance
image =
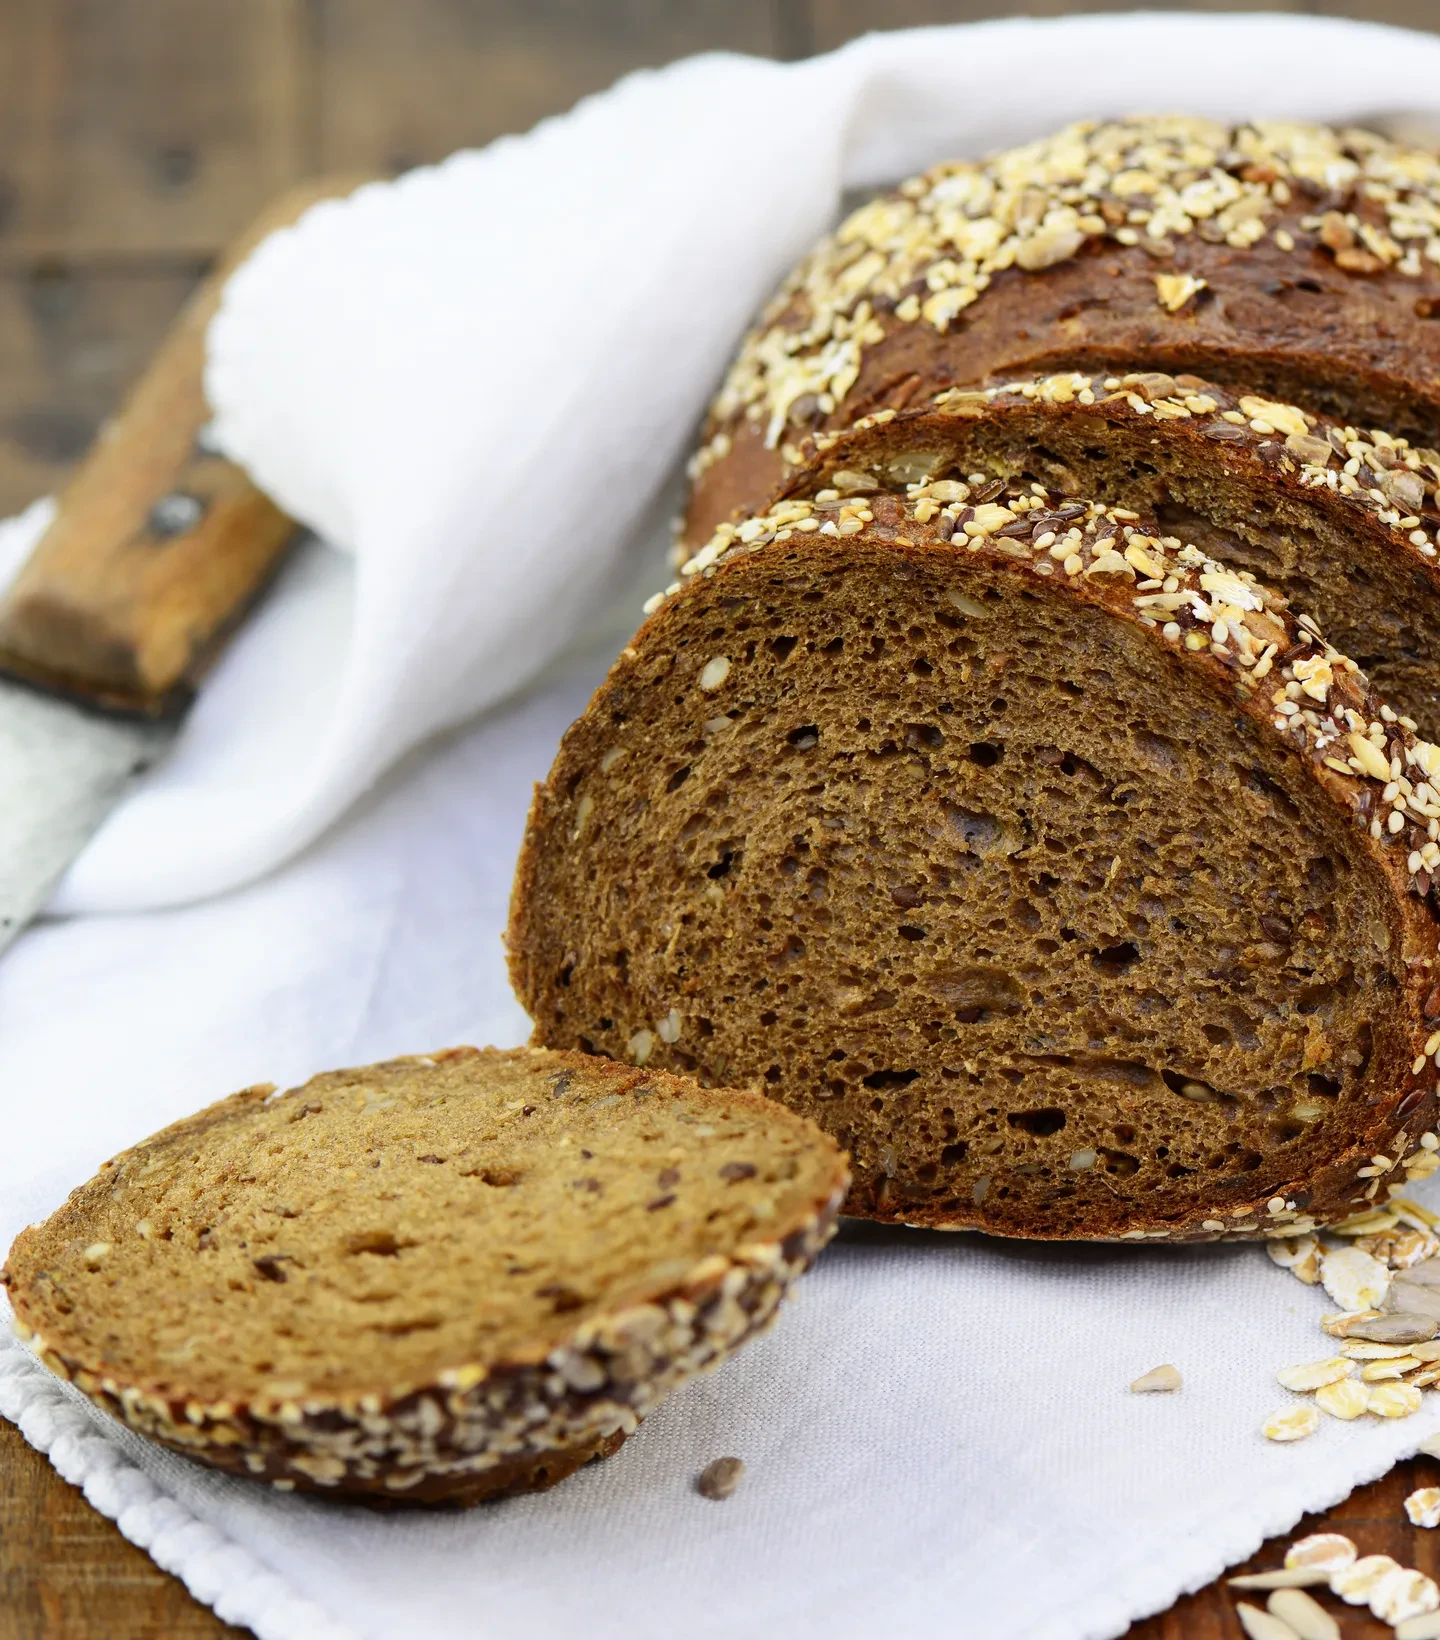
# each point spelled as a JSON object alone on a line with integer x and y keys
{"x": 158, "y": 548}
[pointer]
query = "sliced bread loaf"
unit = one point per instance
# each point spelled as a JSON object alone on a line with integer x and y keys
{"x": 432, "y": 1280}
{"x": 1342, "y": 520}
{"x": 1289, "y": 260}
{"x": 1059, "y": 871}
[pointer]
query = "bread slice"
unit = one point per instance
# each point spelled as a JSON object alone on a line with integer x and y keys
{"x": 1291, "y": 261}
{"x": 433, "y": 1280}
{"x": 1342, "y": 520}
{"x": 1066, "y": 877}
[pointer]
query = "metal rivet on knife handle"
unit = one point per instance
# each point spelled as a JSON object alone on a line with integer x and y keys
{"x": 175, "y": 514}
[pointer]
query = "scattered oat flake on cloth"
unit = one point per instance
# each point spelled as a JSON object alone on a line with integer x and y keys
{"x": 1346, "y": 1399}
{"x": 1394, "y": 1400}
{"x": 1293, "y": 1424}
{"x": 1158, "y": 1381}
{"x": 1354, "y": 1279}
{"x": 1315, "y": 1374}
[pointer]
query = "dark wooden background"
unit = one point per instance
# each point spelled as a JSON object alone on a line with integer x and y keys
{"x": 136, "y": 137}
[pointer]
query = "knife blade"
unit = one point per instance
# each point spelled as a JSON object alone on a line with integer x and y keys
{"x": 157, "y": 549}
{"x": 62, "y": 769}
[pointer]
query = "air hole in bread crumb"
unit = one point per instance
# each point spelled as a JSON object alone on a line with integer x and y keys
{"x": 1114, "y": 960}
{"x": 890, "y": 1079}
{"x": 1039, "y": 1123}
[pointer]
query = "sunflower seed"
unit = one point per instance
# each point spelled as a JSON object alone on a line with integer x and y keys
{"x": 1283, "y": 1577}
{"x": 1263, "y": 1625}
{"x": 1307, "y": 1617}
{"x": 1339, "y": 1324}
{"x": 1400, "y": 1327}
{"x": 1408, "y": 1298}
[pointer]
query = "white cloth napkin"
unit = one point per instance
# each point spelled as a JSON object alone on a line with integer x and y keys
{"x": 939, "y": 1435}
{"x": 474, "y": 380}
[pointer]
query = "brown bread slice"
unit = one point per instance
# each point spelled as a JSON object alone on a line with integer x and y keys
{"x": 432, "y": 1280}
{"x": 1055, "y": 869}
{"x": 1342, "y": 520}
{"x": 1292, "y": 261}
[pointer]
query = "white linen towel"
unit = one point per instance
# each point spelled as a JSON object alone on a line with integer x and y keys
{"x": 474, "y": 382}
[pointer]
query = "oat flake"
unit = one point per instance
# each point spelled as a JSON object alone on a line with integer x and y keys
{"x": 1294, "y": 1424}
{"x": 1353, "y": 1279}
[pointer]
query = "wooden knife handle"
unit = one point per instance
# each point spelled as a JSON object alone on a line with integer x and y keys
{"x": 159, "y": 545}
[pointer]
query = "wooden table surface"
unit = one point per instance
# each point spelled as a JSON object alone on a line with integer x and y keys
{"x": 136, "y": 137}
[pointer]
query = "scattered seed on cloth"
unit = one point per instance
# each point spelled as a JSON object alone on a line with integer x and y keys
{"x": 1159, "y": 1380}
{"x": 720, "y": 1477}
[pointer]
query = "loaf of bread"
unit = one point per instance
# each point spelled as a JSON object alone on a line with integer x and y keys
{"x": 1289, "y": 261}
{"x": 432, "y": 1280}
{"x": 1066, "y": 876}
{"x": 1341, "y": 520}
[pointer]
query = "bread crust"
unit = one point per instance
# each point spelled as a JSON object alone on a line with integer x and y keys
{"x": 1303, "y": 487}
{"x": 1254, "y": 667}
{"x": 1287, "y": 260}
{"x": 476, "y": 1429}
